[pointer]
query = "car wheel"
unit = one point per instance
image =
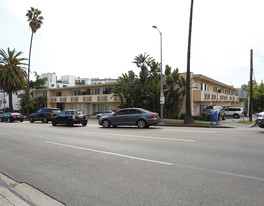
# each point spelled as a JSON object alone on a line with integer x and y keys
{"x": 236, "y": 116}
{"x": 21, "y": 120}
{"x": 54, "y": 123}
{"x": 141, "y": 123}
{"x": 31, "y": 120}
{"x": 1, "y": 120}
{"x": 70, "y": 123}
{"x": 84, "y": 123}
{"x": 106, "y": 124}
{"x": 98, "y": 117}
{"x": 45, "y": 120}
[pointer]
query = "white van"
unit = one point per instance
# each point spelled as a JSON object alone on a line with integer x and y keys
{"x": 235, "y": 112}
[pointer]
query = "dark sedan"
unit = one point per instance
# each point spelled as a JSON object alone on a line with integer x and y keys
{"x": 130, "y": 116}
{"x": 11, "y": 117}
{"x": 69, "y": 118}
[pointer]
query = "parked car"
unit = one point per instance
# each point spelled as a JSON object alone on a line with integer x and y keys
{"x": 44, "y": 114}
{"x": 259, "y": 121}
{"x": 1, "y": 114}
{"x": 105, "y": 113}
{"x": 69, "y": 118}
{"x": 221, "y": 111}
{"x": 235, "y": 112}
{"x": 130, "y": 116}
{"x": 11, "y": 117}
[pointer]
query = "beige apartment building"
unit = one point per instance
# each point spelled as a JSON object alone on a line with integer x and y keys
{"x": 206, "y": 91}
{"x": 96, "y": 98}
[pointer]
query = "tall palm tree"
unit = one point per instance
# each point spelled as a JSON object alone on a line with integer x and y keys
{"x": 188, "y": 114}
{"x": 12, "y": 73}
{"x": 35, "y": 22}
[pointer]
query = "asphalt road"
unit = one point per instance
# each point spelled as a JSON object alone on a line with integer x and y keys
{"x": 129, "y": 166}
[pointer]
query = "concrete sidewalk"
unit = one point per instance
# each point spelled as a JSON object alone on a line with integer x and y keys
{"x": 13, "y": 193}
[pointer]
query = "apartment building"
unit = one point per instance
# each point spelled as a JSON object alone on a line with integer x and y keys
{"x": 92, "y": 99}
{"x": 206, "y": 91}
{"x": 95, "y": 98}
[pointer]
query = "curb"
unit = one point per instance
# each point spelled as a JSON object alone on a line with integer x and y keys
{"x": 28, "y": 195}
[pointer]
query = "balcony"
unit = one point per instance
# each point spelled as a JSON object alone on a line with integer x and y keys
{"x": 207, "y": 96}
{"x": 85, "y": 99}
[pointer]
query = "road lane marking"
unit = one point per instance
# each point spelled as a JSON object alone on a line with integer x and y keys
{"x": 109, "y": 153}
{"x": 220, "y": 172}
{"x": 150, "y": 137}
{"x": 5, "y": 134}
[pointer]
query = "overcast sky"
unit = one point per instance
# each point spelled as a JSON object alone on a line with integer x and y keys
{"x": 100, "y": 38}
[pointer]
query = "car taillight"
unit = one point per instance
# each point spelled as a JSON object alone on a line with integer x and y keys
{"x": 13, "y": 115}
{"x": 154, "y": 115}
{"x": 73, "y": 117}
{"x": 22, "y": 115}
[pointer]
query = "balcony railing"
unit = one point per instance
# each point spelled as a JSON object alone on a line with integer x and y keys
{"x": 206, "y": 96}
{"x": 85, "y": 98}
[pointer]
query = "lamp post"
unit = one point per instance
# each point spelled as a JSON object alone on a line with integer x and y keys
{"x": 162, "y": 99}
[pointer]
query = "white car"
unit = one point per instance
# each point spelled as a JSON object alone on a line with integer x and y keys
{"x": 235, "y": 112}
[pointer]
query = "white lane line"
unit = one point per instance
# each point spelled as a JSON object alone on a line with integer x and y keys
{"x": 109, "y": 153}
{"x": 221, "y": 172}
{"x": 5, "y": 134}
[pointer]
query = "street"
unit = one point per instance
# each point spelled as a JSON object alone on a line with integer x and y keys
{"x": 129, "y": 166}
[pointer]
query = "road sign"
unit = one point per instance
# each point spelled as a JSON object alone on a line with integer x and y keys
{"x": 162, "y": 100}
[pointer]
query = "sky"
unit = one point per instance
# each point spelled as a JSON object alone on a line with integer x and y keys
{"x": 100, "y": 39}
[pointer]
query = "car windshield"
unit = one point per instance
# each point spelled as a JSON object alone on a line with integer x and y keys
{"x": 210, "y": 107}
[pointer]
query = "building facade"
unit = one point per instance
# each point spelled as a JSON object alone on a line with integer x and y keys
{"x": 96, "y": 98}
{"x": 206, "y": 91}
{"x": 92, "y": 99}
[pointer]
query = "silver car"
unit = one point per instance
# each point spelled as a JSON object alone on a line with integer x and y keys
{"x": 130, "y": 116}
{"x": 105, "y": 113}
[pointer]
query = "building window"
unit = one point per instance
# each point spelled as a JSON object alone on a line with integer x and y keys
{"x": 204, "y": 87}
{"x": 214, "y": 89}
{"x": 77, "y": 106}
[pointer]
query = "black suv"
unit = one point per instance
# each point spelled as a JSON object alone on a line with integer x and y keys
{"x": 44, "y": 114}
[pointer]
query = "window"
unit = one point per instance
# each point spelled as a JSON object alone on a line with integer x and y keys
{"x": 58, "y": 94}
{"x": 77, "y": 106}
{"x": 214, "y": 89}
{"x": 204, "y": 87}
{"x": 134, "y": 111}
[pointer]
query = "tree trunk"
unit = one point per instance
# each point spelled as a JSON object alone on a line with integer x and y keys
{"x": 28, "y": 74}
{"x": 10, "y": 99}
{"x": 188, "y": 114}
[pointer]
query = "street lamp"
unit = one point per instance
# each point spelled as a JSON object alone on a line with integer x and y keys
{"x": 162, "y": 99}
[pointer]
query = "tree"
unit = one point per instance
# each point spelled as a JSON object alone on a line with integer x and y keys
{"x": 34, "y": 102}
{"x": 188, "y": 116}
{"x": 12, "y": 73}
{"x": 35, "y": 22}
{"x": 144, "y": 90}
{"x": 257, "y": 96}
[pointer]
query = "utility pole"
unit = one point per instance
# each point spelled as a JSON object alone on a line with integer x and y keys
{"x": 250, "y": 85}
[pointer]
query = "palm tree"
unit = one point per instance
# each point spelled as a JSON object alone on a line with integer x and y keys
{"x": 12, "y": 73}
{"x": 188, "y": 116}
{"x": 35, "y": 22}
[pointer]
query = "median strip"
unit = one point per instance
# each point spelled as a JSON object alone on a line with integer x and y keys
{"x": 109, "y": 153}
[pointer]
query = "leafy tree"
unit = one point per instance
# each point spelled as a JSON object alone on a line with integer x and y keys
{"x": 34, "y": 102}
{"x": 258, "y": 97}
{"x": 175, "y": 90}
{"x": 12, "y": 73}
{"x": 144, "y": 90}
{"x": 35, "y": 22}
